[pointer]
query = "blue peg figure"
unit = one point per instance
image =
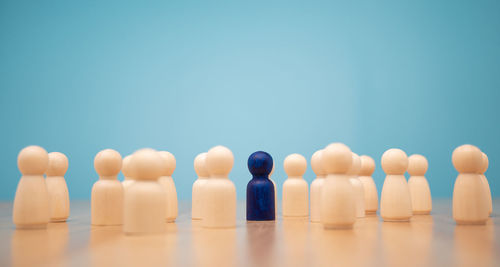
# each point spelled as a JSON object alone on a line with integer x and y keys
{"x": 260, "y": 190}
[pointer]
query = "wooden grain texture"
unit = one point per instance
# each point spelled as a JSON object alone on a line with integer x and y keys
{"x": 428, "y": 240}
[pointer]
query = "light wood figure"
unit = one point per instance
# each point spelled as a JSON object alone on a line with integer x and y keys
{"x": 316, "y": 186}
{"x": 57, "y": 188}
{"x": 219, "y": 209}
{"x": 359, "y": 191}
{"x": 484, "y": 181}
{"x": 365, "y": 176}
{"x": 31, "y": 203}
{"x": 168, "y": 168}
{"x": 295, "y": 189}
{"x": 107, "y": 193}
{"x": 470, "y": 203}
{"x": 275, "y": 193}
{"x": 421, "y": 200}
{"x": 338, "y": 202}
{"x": 199, "y": 186}
{"x": 144, "y": 206}
{"x": 128, "y": 172}
{"x": 395, "y": 200}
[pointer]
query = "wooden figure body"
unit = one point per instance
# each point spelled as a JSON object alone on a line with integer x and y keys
{"x": 107, "y": 194}
{"x": 168, "y": 184}
{"x": 295, "y": 188}
{"x": 338, "y": 202}
{"x": 31, "y": 203}
{"x": 470, "y": 203}
{"x": 144, "y": 206}
{"x": 421, "y": 200}
{"x": 275, "y": 193}
{"x": 199, "y": 186}
{"x": 260, "y": 190}
{"x": 219, "y": 209}
{"x": 365, "y": 176}
{"x": 395, "y": 200}
{"x": 128, "y": 172}
{"x": 316, "y": 186}
{"x": 484, "y": 181}
{"x": 359, "y": 191}
{"x": 57, "y": 188}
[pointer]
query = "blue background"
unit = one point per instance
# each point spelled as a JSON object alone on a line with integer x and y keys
{"x": 280, "y": 76}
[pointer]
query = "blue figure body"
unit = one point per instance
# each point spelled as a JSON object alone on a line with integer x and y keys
{"x": 260, "y": 190}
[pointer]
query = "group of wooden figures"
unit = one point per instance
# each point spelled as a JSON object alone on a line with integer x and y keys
{"x": 342, "y": 191}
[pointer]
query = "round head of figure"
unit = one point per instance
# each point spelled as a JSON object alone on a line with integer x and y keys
{"x": 272, "y": 171}
{"x": 367, "y": 166}
{"x": 33, "y": 160}
{"x": 394, "y": 162}
{"x": 486, "y": 163}
{"x": 147, "y": 164}
{"x": 355, "y": 165}
{"x": 260, "y": 164}
{"x": 219, "y": 161}
{"x": 128, "y": 167}
{"x": 336, "y": 158}
{"x": 58, "y": 164}
{"x": 295, "y": 165}
{"x": 417, "y": 165}
{"x": 316, "y": 165}
{"x": 169, "y": 163}
{"x": 200, "y": 165}
{"x": 467, "y": 159}
{"x": 108, "y": 162}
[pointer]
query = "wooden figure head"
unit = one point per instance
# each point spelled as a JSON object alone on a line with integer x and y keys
{"x": 260, "y": 164}
{"x": 200, "y": 165}
{"x": 219, "y": 161}
{"x": 316, "y": 165}
{"x": 367, "y": 166}
{"x": 295, "y": 165}
{"x": 394, "y": 161}
{"x": 336, "y": 158}
{"x": 417, "y": 165}
{"x": 467, "y": 159}
{"x": 58, "y": 164}
{"x": 33, "y": 160}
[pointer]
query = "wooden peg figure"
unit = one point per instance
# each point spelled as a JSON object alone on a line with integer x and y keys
{"x": 470, "y": 203}
{"x": 395, "y": 200}
{"x": 219, "y": 210}
{"x": 484, "y": 181}
{"x": 295, "y": 189}
{"x": 57, "y": 188}
{"x": 199, "y": 186}
{"x": 107, "y": 194}
{"x": 260, "y": 190}
{"x": 365, "y": 176}
{"x": 168, "y": 168}
{"x": 359, "y": 191}
{"x": 31, "y": 203}
{"x": 144, "y": 206}
{"x": 421, "y": 200}
{"x": 338, "y": 202}
{"x": 128, "y": 172}
{"x": 316, "y": 186}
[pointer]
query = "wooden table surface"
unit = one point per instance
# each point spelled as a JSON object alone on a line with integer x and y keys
{"x": 431, "y": 240}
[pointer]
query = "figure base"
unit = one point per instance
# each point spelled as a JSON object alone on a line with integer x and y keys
{"x": 31, "y": 226}
{"x": 462, "y": 222}
{"x": 421, "y": 212}
{"x": 338, "y": 226}
{"x": 402, "y": 219}
{"x": 58, "y": 219}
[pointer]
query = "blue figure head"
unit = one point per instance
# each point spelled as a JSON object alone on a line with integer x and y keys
{"x": 260, "y": 163}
